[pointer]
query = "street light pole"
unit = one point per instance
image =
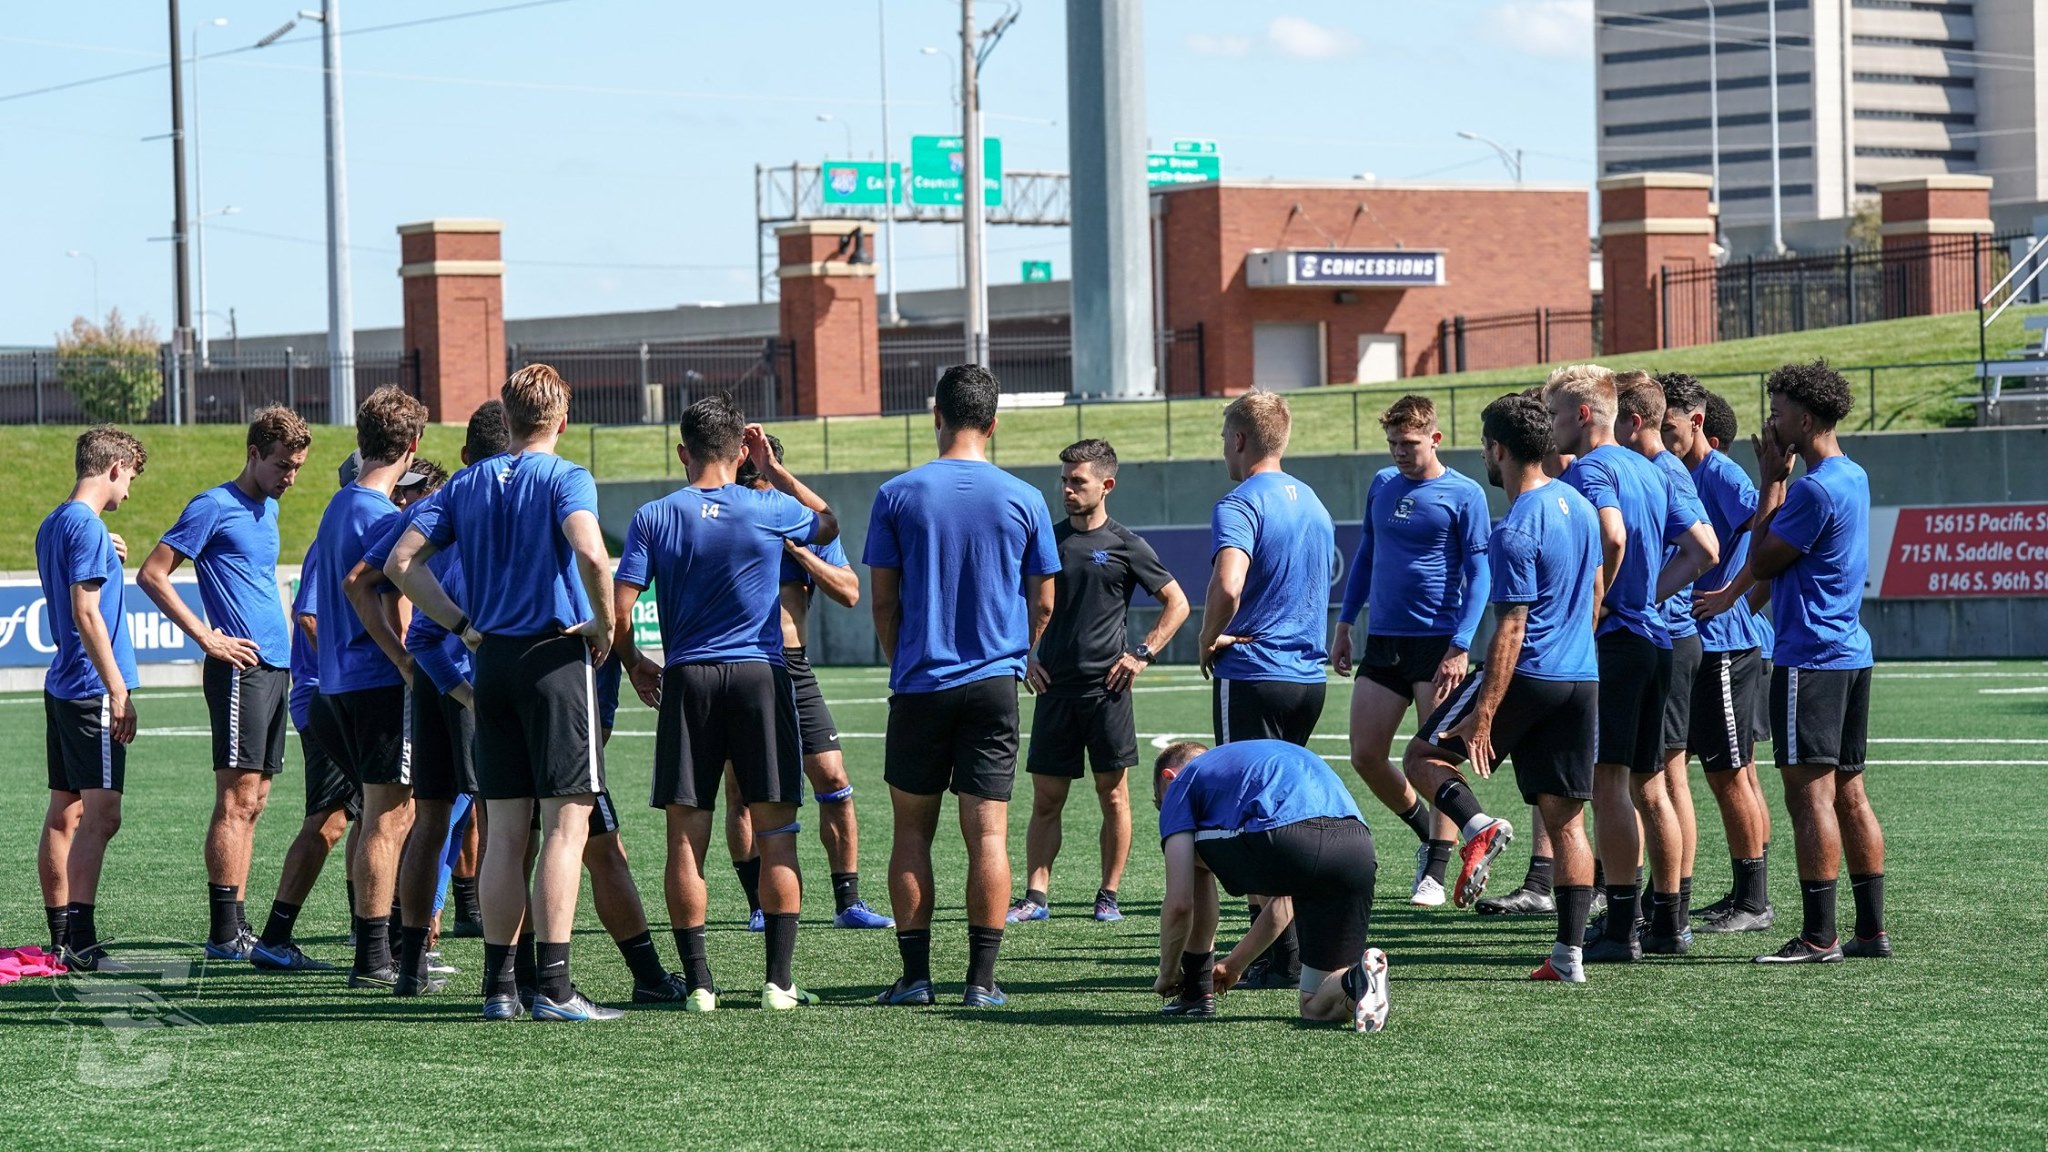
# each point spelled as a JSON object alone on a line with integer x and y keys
{"x": 1777, "y": 193}
{"x": 971, "y": 195}
{"x": 1512, "y": 159}
{"x": 183, "y": 397}
{"x": 341, "y": 331}
{"x": 1714, "y": 99}
{"x": 888, "y": 168}
{"x": 199, "y": 227}
{"x": 829, "y": 118}
{"x": 199, "y": 185}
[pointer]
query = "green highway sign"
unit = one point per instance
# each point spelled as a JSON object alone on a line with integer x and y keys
{"x": 936, "y": 164}
{"x": 1182, "y": 168}
{"x": 858, "y": 182}
{"x": 1037, "y": 271}
{"x": 1195, "y": 147}
{"x": 646, "y": 622}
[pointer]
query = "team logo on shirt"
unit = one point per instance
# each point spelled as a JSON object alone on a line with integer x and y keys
{"x": 1099, "y": 558}
{"x": 1403, "y": 507}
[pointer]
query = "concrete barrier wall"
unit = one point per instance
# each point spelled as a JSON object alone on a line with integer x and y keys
{"x": 1963, "y": 466}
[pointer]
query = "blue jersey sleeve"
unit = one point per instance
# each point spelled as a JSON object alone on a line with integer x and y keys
{"x": 194, "y": 527}
{"x": 883, "y": 549}
{"x": 1358, "y": 582}
{"x": 1512, "y": 557}
{"x": 1231, "y": 525}
{"x": 1596, "y": 482}
{"x": 789, "y": 519}
{"x": 635, "y": 563}
{"x": 1736, "y": 503}
{"x": 383, "y": 538}
{"x": 1475, "y": 525}
{"x": 832, "y": 553}
{"x": 1177, "y": 808}
{"x": 1041, "y": 553}
{"x": 1800, "y": 520}
{"x": 575, "y": 492}
{"x": 89, "y": 556}
{"x": 304, "y": 603}
{"x": 1682, "y": 508}
{"x": 435, "y": 523}
{"x": 431, "y": 657}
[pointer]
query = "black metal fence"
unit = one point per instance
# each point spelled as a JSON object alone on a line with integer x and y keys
{"x": 1183, "y": 362}
{"x": 1511, "y": 339}
{"x": 652, "y": 382}
{"x": 912, "y": 362}
{"x": 43, "y": 386}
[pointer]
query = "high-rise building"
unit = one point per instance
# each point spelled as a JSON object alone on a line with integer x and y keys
{"x": 1866, "y": 91}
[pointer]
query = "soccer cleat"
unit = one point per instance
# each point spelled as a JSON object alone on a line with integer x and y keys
{"x": 1605, "y": 951}
{"x": 859, "y": 915}
{"x": 1202, "y": 1007}
{"x": 1262, "y": 975}
{"x": 776, "y": 999}
{"x": 576, "y": 1009}
{"x": 1878, "y": 947}
{"x": 1735, "y": 920}
{"x": 672, "y": 989}
{"x": 757, "y": 921}
{"x": 284, "y": 958}
{"x": 236, "y": 949}
{"x": 992, "y": 996}
{"x": 93, "y": 959}
{"x": 1520, "y": 902}
{"x": 701, "y": 1000}
{"x": 1717, "y": 909}
{"x": 913, "y": 993}
{"x": 1478, "y": 854}
{"x": 1679, "y": 945}
{"x": 465, "y": 929}
{"x": 439, "y": 966}
{"x": 1025, "y": 910}
{"x": 499, "y": 1006}
{"x": 381, "y": 978}
{"x": 409, "y": 985}
{"x": 1428, "y": 894}
{"x": 1421, "y": 865}
{"x": 1107, "y": 912}
{"x": 1596, "y": 927}
{"x": 1599, "y": 905}
{"x": 1800, "y": 950}
{"x": 1564, "y": 965}
{"x": 1366, "y": 984}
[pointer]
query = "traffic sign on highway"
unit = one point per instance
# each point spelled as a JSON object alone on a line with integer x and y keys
{"x": 936, "y": 165}
{"x": 1195, "y": 147}
{"x": 1037, "y": 271}
{"x": 1182, "y": 168}
{"x": 859, "y": 182}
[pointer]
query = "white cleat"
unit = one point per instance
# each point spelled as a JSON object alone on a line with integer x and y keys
{"x": 1429, "y": 893}
{"x": 1366, "y": 984}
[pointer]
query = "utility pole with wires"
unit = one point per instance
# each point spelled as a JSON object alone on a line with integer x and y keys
{"x": 183, "y": 393}
{"x": 974, "y": 274}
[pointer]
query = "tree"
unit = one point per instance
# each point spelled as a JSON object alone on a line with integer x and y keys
{"x": 1866, "y": 222}
{"x": 113, "y": 369}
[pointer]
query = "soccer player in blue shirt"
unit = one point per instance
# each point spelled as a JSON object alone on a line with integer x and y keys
{"x": 229, "y": 533}
{"x": 87, "y": 712}
{"x": 1639, "y": 517}
{"x": 712, "y": 552}
{"x": 539, "y": 624}
{"x": 1421, "y": 566}
{"x": 1812, "y": 542}
{"x": 961, "y": 560}
{"x": 1266, "y": 818}
{"x": 1537, "y": 697}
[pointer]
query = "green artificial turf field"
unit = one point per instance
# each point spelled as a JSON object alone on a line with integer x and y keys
{"x": 1947, "y": 1045}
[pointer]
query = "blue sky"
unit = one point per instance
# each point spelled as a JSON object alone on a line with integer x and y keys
{"x": 617, "y": 138}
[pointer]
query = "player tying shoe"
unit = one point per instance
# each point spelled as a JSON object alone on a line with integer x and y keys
{"x": 1083, "y": 673}
{"x": 1813, "y": 544}
{"x": 1266, "y": 818}
{"x": 712, "y": 551}
{"x": 1537, "y": 696}
{"x": 1421, "y": 566}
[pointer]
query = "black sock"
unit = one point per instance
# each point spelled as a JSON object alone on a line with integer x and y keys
{"x": 1037, "y": 896}
{"x": 1817, "y": 898}
{"x": 526, "y": 960}
{"x": 1455, "y": 800}
{"x": 749, "y": 872}
{"x": 463, "y": 888}
{"x": 1684, "y": 903}
{"x": 373, "y": 945}
{"x": 696, "y": 968}
{"x": 1752, "y": 887}
{"x": 845, "y": 890}
{"x": 982, "y": 945}
{"x": 242, "y": 918}
{"x": 553, "y": 968}
{"x": 499, "y": 967}
{"x": 1439, "y": 859}
{"x": 1108, "y": 894}
{"x": 1286, "y": 953}
{"x": 220, "y": 907}
{"x": 357, "y": 928}
{"x": 59, "y": 919}
{"x": 1624, "y": 905}
{"x": 1599, "y": 875}
{"x": 1197, "y": 975}
{"x": 1574, "y": 902}
{"x": 642, "y": 960}
{"x": 915, "y": 946}
{"x": 80, "y": 932}
{"x": 1420, "y": 820}
{"x": 351, "y": 903}
{"x": 1542, "y": 869}
{"x": 781, "y": 947}
{"x": 1664, "y": 914}
{"x": 1643, "y": 879}
{"x": 278, "y": 931}
{"x": 412, "y": 952}
{"x": 396, "y": 922}
{"x": 1869, "y": 893}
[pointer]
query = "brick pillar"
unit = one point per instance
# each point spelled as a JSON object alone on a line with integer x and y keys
{"x": 828, "y": 311}
{"x": 1649, "y": 220}
{"x": 1935, "y": 258}
{"x": 454, "y": 312}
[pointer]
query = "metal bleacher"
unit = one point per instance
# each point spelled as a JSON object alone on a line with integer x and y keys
{"x": 2014, "y": 387}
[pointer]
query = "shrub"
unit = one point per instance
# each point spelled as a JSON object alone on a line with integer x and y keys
{"x": 113, "y": 369}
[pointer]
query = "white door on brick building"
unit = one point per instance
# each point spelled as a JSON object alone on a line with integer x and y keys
{"x": 1379, "y": 357}
{"x": 1287, "y": 356}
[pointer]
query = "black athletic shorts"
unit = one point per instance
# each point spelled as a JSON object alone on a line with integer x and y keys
{"x": 1064, "y": 729}
{"x": 1266, "y": 710}
{"x": 711, "y": 713}
{"x": 1634, "y": 675}
{"x": 1549, "y": 727}
{"x": 536, "y": 718}
{"x": 1724, "y": 699}
{"x": 328, "y": 785}
{"x": 368, "y": 732}
{"x": 82, "y": 750}
{"x": 1325, "y": 863}
{"x": 961, "y": 740}
{"x": 247, "y": 708}
{"x": 1762, "y": 704}
{"x": 1678, "y": 694}
{"x": 1399, "y": 663}
{"x": 604, "y": 816}
{"x": 813, "y": 718}
{"x": 1821, "y": 716}
{"x": 443, "y": 744}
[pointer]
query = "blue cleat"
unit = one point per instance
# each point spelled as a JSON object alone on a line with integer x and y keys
{"x": 284, "y": 958}
{"x": 502, "y": 1007}
{"x": 1025, "y": 910}
{"x": 1106, "y": 912}
{"x": 915, "y": 994}
{"x": 758, "y": 922}
{"x": 859, "y": 915}
{"x": 992, "y": 996}
{"x": 235, "y": 949}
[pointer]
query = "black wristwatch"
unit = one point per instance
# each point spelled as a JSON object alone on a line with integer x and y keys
{"x": 1144, "y": 653}
{"x": 461, "y": 626}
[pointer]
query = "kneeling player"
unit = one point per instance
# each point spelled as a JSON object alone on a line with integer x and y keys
{"x": 1267, "y": 818}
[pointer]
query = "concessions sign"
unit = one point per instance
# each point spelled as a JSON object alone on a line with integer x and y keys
{"x": 1958, "y": 551}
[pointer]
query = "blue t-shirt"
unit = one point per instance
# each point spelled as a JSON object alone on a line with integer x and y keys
{"x": 1546, "y": 554}
{"x": 965, "y": 535}
{"x": 1817, "y": 603}
{"x": 73, "y": 546}
{"x": 831, "y": 553}
{"x": 507, "y": 514}
{"x": 1677, "y": 611}
{"x": 232, "y": 543}
{"x": 1730, "y": 500}
{"x": 305, "y": 662}
{"x": 714, "y": 559}
{"x": 1421, "y": 557}
{"x": 1280, "y": 523}
{"x": 349, "y": 660}
{"x": 1252, "y": 786}
{"x": 436, "y": 651}
{"x": 1612, "y": 476}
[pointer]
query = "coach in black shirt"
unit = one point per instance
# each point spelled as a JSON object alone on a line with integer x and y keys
{"x": 1083, "y": 671}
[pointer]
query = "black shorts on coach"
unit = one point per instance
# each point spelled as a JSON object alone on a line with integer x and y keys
{"x": 1399, "y": 663}
{"x": 1266, "y": 710}
{"x": 536, "y": 718}
{"x": 813, "y": 719}
{"x": 1686, "y": 653}
{"x": 961, "y": 740}
{"x": 368, "y": 732}
{"x": 713, "y": 713}
{"x": 1724, "y": 709}
{"x": 1634, "y": 677}
{"x": 1820, "y": 717}
{"x": 328, "y": 784}
{"x": 443, "y": 744}
{"x": 80, "y": 746}
{"x": 1547, "y": 726}
{"x": 247, "y": 709}
{"x": 1325, "y": 863}
{"x": 1065, "y": 730}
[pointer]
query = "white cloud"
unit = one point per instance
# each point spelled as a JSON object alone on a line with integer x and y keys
{"x": 1203, "y": 44}
{"x": 1544, "y": 27}
{"x": 1294, "y": 36}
